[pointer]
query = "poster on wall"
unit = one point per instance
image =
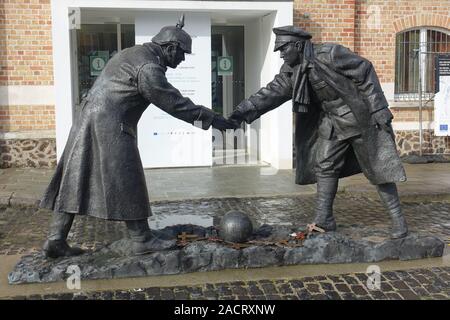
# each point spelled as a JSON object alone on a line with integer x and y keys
{"x": 442, "y": 97}
{"x": 163, "y": 140}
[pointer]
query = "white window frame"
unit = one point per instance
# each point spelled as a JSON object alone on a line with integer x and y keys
{"x": 423, "y": 42}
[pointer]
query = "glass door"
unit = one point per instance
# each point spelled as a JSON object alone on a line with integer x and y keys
{"x": 95, "y": 45}
{"x": 227, "y": 81}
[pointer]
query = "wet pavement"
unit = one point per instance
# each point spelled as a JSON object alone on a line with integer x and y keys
{"x": 413, "y": 284}
{"x": 26, "y": 185}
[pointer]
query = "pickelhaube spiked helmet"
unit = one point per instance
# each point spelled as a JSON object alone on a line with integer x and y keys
{"x": 175, "y": 34}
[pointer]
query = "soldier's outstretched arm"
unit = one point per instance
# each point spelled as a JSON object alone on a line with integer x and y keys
{"x": 153, "y": 86}
{"x": 278, "y": 91}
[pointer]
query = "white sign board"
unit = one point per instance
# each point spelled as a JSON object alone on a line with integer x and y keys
{"x": 163, "y": 140}
{"x": 442, "y": 97}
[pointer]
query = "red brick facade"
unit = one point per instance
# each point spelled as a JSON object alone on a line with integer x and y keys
{"x": 369, "y": 27}
{"x": 26, "y": 42}
{"x": 26, "y": 118}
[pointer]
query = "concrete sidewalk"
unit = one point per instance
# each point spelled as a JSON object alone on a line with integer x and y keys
{"x": 26, "y": 185}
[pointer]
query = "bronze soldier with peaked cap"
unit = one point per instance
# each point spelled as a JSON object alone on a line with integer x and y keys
{"x": 342, "y": 121}
{"x": 100, "y": 172}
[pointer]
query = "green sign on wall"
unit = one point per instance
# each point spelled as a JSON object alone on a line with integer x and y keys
{"x": 97, "y": 62}
{"x": 225, "y": 66}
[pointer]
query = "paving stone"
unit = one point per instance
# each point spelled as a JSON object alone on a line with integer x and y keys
{"x": 359, "y": 290}
{"x": 335, "y": 279}
{"x": 421, "y": 292}
{"x": 303, "y": 294}
{"x": 390, "y": 275}
{"x": 274, "y": 297}
{"x": 181, "y": 295}
{"x": 269, "y": 288}
{"x": 350, "y": 279}
{"x": 332, "y": 295}
{"x": 411, "y": 282}
{"x": 254, "y": 290}
{"x": 313, "y": 288}
{"x": 349, "y": 296}
{"x": 393, "y": 296}
{"x": 297, "y": 284}
{"x": 377, "y": 294}
{"x": 361, "y": 276}
{"x": 223, "y": 290}
{"x": 326, "y": 286}
{"x": 239, "y": 290}
{"x": 440, "y": 297}
{"x": 341, "y": 287}
{"x": 108, "y": 295}
{"x": 122, "y": 295}
{"x": 138, "y": 296}
{"x": 210, "y": 294}
{"x": 408, "y": 295}
{"x": 153, "y": 292}
{"x": 400, "y": 285}
{"x": 285, "y": 288}
{"x": 432, "y": 289}
{"x": 386, "y": 287}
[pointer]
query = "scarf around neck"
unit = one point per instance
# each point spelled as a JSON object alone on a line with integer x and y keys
{"x": 301, "y": 96}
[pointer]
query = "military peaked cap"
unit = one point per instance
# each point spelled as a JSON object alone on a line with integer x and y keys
{"x": 289, "y": 34}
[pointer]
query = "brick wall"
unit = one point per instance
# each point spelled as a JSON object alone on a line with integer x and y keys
{"x": 328, "y": 21}
{"x": 26, "y": 59}
{"x": 369, "y": 26}
{"x": 26, "y": 118}
{"x": 25, "y": 42}
{"x": 412, "y": 114}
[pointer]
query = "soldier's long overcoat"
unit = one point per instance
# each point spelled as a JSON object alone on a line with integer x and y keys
{"x": 354, "y": 80}
{"x": 100, "y": 172}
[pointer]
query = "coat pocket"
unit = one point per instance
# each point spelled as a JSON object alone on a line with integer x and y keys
{"x": 319, "y": 85}
{"x": 126, "y": 128}
{"x": 343, "y": 110}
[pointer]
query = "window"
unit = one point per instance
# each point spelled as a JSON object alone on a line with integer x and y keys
{"x": 414, "y": 61}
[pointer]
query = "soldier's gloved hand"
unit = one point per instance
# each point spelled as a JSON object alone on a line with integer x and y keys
{"x": 382, "y": 119}
{"x": 221, "y": 123}
{"x": 244, "y": 109}
{"x": 237, "y": 118}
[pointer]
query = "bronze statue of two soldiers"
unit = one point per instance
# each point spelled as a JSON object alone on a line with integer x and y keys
{"x": 342, "y": 128}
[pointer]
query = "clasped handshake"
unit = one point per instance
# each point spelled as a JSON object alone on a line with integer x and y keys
{"x": 233, "y": 122}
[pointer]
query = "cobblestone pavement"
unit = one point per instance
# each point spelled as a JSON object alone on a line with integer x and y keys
{"x": 414, "y": 284}
{"x": 23, "y": 228}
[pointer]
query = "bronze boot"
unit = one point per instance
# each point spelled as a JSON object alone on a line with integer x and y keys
{"x": 143, "y": 241}
{"x": 326, "y": 192}
{"x": 389, "y": 196}
{"x": 56, "y": 245}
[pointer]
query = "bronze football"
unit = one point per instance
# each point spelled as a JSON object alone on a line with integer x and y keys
{"x": 235, "y": 226}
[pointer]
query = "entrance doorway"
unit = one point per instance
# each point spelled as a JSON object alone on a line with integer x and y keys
{"x": 228, "y": 90}
{"x": 94, "y": 45}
